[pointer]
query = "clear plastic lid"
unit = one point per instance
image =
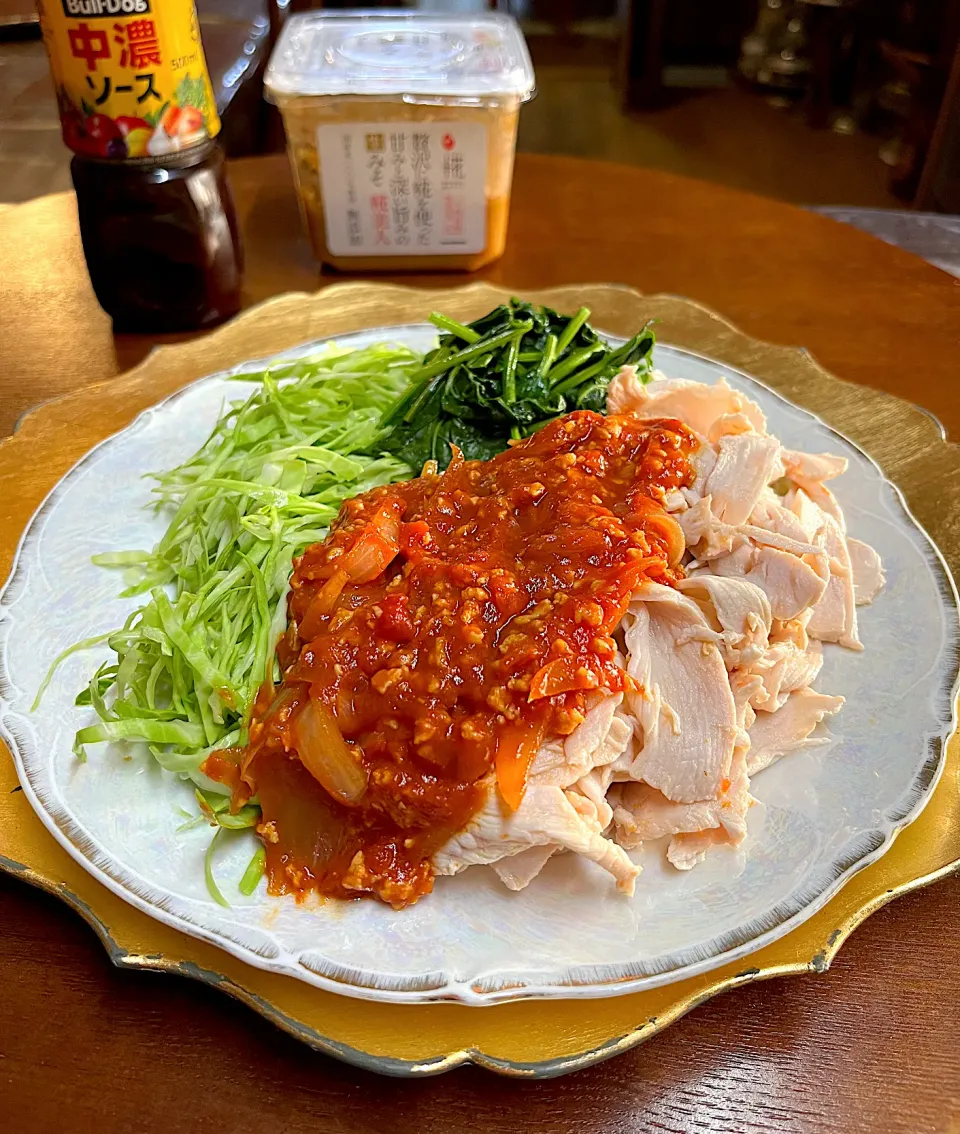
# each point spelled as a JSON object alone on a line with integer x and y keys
{"x": 390, "y": 53}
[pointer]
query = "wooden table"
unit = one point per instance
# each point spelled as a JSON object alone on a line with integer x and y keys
{"x": 872, "y": 1045}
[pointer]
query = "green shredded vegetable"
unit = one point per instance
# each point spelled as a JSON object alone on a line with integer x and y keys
{"x": 76, "y": 648}
{"x": 240, "y": 820}
{"x": 214, "y": 811}
{"x": 267, "y": 482}
{"x": 212, "y": 887}
{"x": 254, "y": 872}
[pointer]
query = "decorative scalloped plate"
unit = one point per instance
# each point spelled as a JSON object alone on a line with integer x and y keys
{"x": 424, "y": 1039}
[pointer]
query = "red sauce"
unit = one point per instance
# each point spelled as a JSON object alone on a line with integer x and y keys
{"x": 448, "y": 625}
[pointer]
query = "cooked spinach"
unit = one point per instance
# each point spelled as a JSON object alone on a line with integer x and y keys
{"x": 504, "y": 376}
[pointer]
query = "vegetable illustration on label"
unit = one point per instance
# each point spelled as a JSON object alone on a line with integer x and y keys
{"x": 131, "y": 76}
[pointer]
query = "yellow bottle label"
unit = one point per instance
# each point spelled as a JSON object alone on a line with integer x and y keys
{"x": 130, "y": 75}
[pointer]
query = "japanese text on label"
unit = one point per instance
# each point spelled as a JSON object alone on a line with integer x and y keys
{"x": 399, "y": 189}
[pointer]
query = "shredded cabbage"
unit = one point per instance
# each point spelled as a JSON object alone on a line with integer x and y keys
{"x": 267, "y": 482}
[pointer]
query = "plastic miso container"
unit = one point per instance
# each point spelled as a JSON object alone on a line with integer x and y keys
{"x": 401, "y": 128}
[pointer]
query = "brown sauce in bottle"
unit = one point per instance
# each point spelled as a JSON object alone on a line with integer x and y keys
{"x": 136, "y": 106}
{"x": 161, "y": 239}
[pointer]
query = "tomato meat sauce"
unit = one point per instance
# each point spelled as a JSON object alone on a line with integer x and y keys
{"x": 440, "y": 633}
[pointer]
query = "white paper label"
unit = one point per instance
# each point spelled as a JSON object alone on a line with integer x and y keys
{"x": 404, "y": 189}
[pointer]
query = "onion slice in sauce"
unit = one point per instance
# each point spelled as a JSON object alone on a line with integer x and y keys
{"x": 676, "y": 541}
{"x": 377, "y": 546}
{"x": 326, "y": 755}
{"x": 371, "y": 554}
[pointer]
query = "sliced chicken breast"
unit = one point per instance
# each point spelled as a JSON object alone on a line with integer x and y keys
{"x": 687, "y": 848}
{"x": 809, "y": 515}
{"x": 686, "y": 710}
{"x": 722, "y": 663}
{"x": 642, "y": 813}
{"x": 545, "y": 817}
{"x": 834, "y": 617}
{"x": 598, "y": 740}
{"x": 728, "y": 424}
{"x": 774, "y": 517}
{"x": 867, "y": 569}
{"x": 746, "y": 463}
{"x": 790, "y": 582}
{"x": 737, "y": 610}
{"x": 519, "y": 870}
{"x": 784, "y": 667}
{"x": 812, "y": 467}
{"x": 705, "y": 535}
{"x": 773, "y": 735}
{"x": 696, "y": 404}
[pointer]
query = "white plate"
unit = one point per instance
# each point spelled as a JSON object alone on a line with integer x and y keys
{"x": 823, "y": 815}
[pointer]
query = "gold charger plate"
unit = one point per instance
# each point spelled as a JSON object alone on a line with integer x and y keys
{"x": 522, "y": 1039}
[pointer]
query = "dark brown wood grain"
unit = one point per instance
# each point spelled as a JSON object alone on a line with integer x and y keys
{"x": 871, "y": 1045}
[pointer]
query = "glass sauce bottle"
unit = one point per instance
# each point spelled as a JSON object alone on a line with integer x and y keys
{"x": 157, "y": 220}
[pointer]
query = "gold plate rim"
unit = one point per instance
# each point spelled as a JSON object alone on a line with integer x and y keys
{"x": 425, "y": 1068}
{"x": 599, "y": 981}
{"x": 476, "y": 1054}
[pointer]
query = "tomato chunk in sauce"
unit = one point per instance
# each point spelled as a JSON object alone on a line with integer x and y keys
{"x": 444, "y": 628}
